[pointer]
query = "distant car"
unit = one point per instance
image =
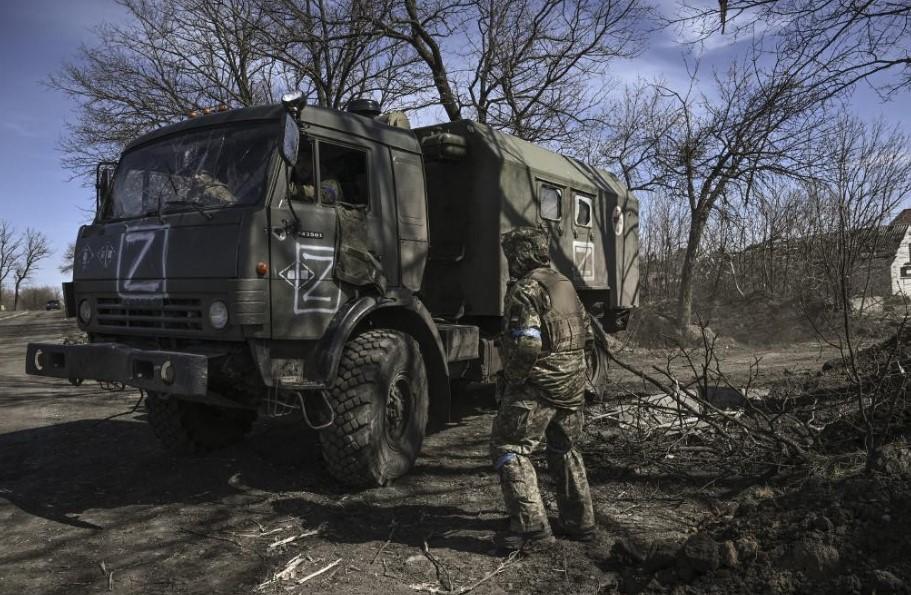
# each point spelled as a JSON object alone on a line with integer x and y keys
{"x": 52, "y": 305}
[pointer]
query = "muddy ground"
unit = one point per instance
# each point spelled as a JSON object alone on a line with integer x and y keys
{"x": 90, "y": 504}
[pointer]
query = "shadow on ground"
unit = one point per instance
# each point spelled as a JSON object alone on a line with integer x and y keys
{"x": 58, "y": 471}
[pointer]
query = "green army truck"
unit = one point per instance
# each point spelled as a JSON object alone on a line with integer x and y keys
{"x": 293, "y": 259}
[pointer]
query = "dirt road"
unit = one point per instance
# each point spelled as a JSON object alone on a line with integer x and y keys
{"x": 90, "y": 504}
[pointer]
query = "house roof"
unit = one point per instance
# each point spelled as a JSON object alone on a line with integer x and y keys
{"x": 882, "y": 241}
{"x": 903, "y": 218}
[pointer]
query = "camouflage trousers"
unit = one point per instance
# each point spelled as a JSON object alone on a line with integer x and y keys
{"x": 523, "y": 420}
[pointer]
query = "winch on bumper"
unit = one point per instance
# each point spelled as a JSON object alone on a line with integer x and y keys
{"x": 177, "y": 373}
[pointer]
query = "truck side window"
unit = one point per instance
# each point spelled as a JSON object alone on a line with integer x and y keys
{"x": 550, "y": 199}
{"x": 302, "y": 177}
{"x": 583, "y": 210}
{"x": 343, "y": 175}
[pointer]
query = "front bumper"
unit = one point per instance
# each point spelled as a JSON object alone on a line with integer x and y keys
{"x": 158, "y": 371}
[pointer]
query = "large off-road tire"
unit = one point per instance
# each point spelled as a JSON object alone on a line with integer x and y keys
{"x": 380, "y": 402}
{"x": 185, "y": 427}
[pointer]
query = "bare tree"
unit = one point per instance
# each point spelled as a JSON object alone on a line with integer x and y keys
{"x": 9, "y": 251}
{"x": 864, "y": 175}
{"x": 853, "y": 40}
{"x": 522, "y": 66}
{"x": 69, "y": 258}
{"x": 662, "y": 238}
{"x": 716, "y": 146}
{"x": 172, "y": 57}
{"x": 35, "y": 248}
{"x": 333, "y": 51}
{"x": 425, "y": 26}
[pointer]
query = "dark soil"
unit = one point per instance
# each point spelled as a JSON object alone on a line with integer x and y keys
{"x": 90, "y": 503}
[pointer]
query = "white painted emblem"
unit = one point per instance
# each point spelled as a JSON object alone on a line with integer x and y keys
{"x": 314, "y": 290}
{"x": 143, "y": 248}
{"x": 106, "y": 255}
{"x": 85, "y": 257}
{"x": 617, "y": 218}
{"x": 584, "y": 260}
{"x": 296, "y": 274}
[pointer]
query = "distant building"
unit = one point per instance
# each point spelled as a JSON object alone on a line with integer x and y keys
{"x": 897, "y": 250}
{"x": 882, "y": 259}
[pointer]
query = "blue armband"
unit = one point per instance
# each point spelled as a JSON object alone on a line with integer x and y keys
{"x": 526, "y": 332}
{"x": 504, "y": 459}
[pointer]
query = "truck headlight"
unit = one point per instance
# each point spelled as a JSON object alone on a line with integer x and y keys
{"x": 85, "y": 311}
{"x": 218, "y": 314}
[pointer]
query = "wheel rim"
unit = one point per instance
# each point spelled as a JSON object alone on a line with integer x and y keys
{"x": 398, "y": 401}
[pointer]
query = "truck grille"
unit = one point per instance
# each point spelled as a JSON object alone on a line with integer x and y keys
{"x": 172, "y": 314}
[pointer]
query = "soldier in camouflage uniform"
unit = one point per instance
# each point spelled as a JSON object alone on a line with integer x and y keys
{"x": 544, "y": 372}
{"x": 302, "y": 184}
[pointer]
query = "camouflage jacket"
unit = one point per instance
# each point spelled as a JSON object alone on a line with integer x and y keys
{"x": 561, "y": 376}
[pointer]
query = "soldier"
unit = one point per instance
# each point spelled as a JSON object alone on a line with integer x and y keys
{"x": 544, "y": 371}
{"x": 330, "y": 191}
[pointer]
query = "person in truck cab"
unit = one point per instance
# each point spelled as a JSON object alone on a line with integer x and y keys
{"x": 330, "y": 191}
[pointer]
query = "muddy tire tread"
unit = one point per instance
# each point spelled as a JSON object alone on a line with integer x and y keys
{"x": 345, "y": 443}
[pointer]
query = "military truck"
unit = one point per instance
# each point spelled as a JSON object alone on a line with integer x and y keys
{"x": 290, "y": 259}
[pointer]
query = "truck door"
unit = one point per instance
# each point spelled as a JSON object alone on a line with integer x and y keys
{"x": 302, "y": 253}
{"x": 329, "y": 178}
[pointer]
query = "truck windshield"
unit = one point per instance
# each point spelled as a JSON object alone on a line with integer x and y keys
{"x": 210, "y": 168}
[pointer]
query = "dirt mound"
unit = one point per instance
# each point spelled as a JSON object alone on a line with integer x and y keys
{"x": 850, "y": 536}
{"x": 758, "y": 320}
{"x": 753, "y": 320}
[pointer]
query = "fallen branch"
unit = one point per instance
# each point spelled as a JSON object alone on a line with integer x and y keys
{"x": 387, "y": 542}
{"x": 710, "y": 409}
{"x": 319, "y": 572}
{"x": 286, "y": 573}
{"x": 510, "y": 559}
{"x": 442, "y": 574}
{"x": 288, "y": 540}
{"x": 289, "y": 568}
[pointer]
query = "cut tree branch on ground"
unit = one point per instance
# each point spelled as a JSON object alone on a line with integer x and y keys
{"x": 442, "y": 574}
{"x": 319, "y": 572}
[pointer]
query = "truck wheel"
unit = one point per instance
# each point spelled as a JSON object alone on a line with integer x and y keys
{"x": 596, "y": 365}
{"x": 185, "y": 427}
{"x": 380, "y": 402}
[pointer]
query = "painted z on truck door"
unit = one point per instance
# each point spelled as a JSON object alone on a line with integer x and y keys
{"x": 302, "y": 233}
{"x": 330, "y": 193}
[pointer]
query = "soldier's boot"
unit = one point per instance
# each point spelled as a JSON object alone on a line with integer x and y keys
{"x": 574, "y": 499}
{"x": 528, "y": 526}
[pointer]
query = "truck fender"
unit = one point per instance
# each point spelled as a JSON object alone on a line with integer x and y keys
{"x": 408, "y": 315}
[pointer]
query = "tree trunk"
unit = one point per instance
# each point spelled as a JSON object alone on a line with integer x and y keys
{"x": 685, "y": 295}
{"x": 16, "y": 296}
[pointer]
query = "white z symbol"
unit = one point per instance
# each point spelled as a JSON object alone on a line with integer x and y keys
{"x": 147, "y": 237}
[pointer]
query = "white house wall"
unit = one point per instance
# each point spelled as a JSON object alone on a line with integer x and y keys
{"x": 902, "y": 285}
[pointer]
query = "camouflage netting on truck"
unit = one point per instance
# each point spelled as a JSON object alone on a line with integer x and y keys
{"x": 356, "y": 265}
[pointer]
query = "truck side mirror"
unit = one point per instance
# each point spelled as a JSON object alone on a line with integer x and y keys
{"x": 104, "y": 177}
{"x": 290, "y": 141}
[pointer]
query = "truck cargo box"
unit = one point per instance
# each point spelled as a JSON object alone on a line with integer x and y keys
{"x": 482, "y": 183}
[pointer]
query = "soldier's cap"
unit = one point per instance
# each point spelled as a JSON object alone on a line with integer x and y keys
{"x": 535, "y": 239}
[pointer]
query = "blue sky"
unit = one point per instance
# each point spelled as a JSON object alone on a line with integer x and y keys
{"x": 35, "y": 191}
{"x": 37, "y": 36}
